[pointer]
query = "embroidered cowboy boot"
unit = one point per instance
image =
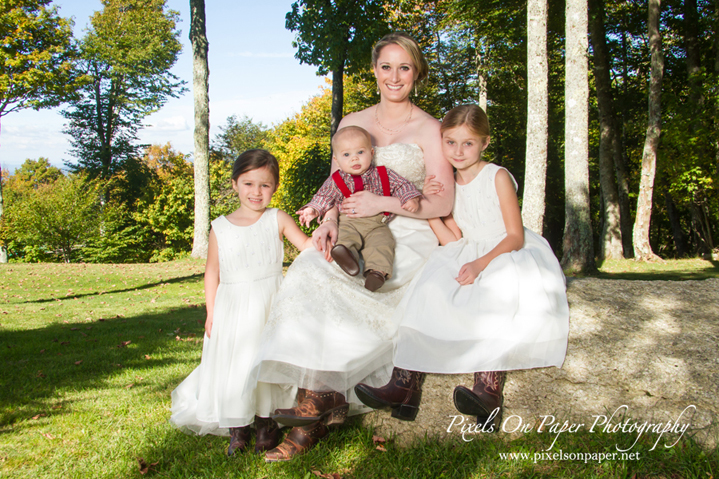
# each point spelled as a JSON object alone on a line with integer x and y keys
{"x": 298, "y": 441}
{"x": 483, "y": 398}
{"x": 239, "y": 439}
{"x": 327, "y": 407}
{"x": 402, "y": 394}
{"x": 268, "y": 434}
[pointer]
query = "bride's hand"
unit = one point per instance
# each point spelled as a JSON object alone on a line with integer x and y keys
{"x": 361, "y": 205}
{"x": 325, "y": 237}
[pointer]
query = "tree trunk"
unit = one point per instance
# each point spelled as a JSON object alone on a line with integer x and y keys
{"x": 693, "y": 60}
{"x": 620, "y": 170}
{"x": 481, "y": 79}
{"x": 610, "y": 238}
{"x": 716, "y": 75}
{"x": 337, "y": 99}
{"x": 3, "y": 249}
{"x": 620, "y": 157}
{"x": 200, "y": 88}
{"x": 578, "y": 250}
{"x": 680, "y": 241}
{"x": 702, "y": 230}
{"x": 535, "y": 176}
{"x": 642, "y": 248}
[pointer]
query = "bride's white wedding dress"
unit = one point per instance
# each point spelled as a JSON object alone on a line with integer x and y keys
{"x": 325, "y": 330}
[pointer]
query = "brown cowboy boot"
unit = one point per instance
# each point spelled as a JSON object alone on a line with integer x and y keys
{"x": 298, "y": 441}
{"x": 239, "y": 439}
{"x": 402, "y": 394}
{"x": 483, "y": 398}
{"x": 327, "y": 407}
{"x": 268, "y": 434}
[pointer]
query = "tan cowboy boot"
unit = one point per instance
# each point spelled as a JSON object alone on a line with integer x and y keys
{"x": 298, "y": 441}
{"x": 483, "y": 398}
{"x": 327, "y": 407}
{"x": 402, "y": 394}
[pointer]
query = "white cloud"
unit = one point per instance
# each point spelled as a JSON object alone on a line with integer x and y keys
{"x": 31, "y": 134}
{"x": 171, "y": 123}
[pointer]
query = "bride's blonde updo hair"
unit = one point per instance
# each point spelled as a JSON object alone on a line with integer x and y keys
{"x": 470, "y": 115}
{"x": 410, "y": 46}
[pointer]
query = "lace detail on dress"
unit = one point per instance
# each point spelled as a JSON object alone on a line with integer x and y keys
{"x": 314, "y": 294}
{"x": 407, "y": 159}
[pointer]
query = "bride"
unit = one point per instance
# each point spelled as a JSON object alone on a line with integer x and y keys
{"x": 326, "y": 332}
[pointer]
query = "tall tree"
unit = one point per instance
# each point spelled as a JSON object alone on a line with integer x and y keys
{"x": 578, "y": 251}
{"x": 35, "y": 61}
{"x": 200, "y": 88}
{"x": 610, "y": 237}
{"x": 697, "y": 125}
{"x": 716, "y": 79}
{"x": 336, "y": 36}
{"x": 535, "y": 176}
{"x": 642, "y": 247}
{"x": 619, "y": 32}
{"x": 127, "y": 53}
{"x": 36, "y": 69}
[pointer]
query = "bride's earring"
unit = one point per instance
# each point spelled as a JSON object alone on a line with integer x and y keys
{"x": 415, "y": 90}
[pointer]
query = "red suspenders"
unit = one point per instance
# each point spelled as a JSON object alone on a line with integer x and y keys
{"x": 359, "y": 186}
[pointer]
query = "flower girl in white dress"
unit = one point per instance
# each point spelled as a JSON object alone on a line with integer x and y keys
{"x": 491, "y": 299}
{"x": 242, "y": 275}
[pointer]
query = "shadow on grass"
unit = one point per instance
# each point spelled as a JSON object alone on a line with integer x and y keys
{"x": 350, "y": 452}
{"x": 39, "y": 364}
{"x": 179, "y": 280}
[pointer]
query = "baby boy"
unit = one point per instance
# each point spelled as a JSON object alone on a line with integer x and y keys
{"x": 353, "y": 152}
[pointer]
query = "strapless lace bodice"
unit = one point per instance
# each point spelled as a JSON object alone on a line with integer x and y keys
{"x": 407, "y": 159}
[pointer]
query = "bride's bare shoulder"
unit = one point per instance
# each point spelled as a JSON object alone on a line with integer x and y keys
{"x": 427, "y": 122}
{"x": 426, "y": 129}
{"x": 361, "y": 118}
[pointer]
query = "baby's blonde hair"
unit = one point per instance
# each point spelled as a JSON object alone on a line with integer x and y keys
{"x": 358, "y": 130}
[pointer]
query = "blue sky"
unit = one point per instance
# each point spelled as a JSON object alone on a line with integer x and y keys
{"x": 253, "y": 72}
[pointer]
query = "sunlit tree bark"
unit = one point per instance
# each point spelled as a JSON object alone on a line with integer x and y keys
{"x": 642, "y": 248}
{"x": 535, "y": 178}
{"x": 200, "y": 88}
{"x": 578, "y": 250}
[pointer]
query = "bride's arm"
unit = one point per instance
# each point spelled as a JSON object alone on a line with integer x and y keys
{"x": 365, "y": 203}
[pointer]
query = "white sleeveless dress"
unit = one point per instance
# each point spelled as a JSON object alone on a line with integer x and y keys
{"x": 217, "y": 394}
{"x": 325, "y": 330}
{"x": 514, "y": 316}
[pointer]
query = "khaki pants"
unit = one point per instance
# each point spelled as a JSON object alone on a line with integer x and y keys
{"x": 370, "y": 236}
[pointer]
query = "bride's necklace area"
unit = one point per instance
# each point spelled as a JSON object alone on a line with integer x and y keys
{"x": 391, "y": 131}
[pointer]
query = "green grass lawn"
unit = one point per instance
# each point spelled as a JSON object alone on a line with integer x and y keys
{"x": 670, "y": 270}
{"x": 91, "y": 353}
